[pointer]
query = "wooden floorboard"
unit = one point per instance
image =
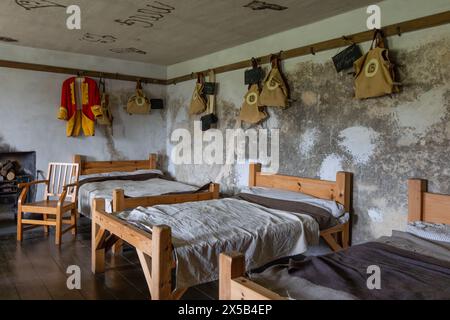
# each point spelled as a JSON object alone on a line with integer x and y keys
{"x": 8, "y": 290}
{"x": 92, "y": 286}
{"x": 51, "y": 274}
{"x": 28, "y": 285}
{"x": 36, "y": 269}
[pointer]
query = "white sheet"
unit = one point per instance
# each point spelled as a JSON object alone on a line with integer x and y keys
{"x": 202, "y": 230}
{"x": 431, "y": 231}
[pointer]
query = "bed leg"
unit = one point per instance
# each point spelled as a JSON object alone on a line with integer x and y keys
{"x": 98, "y": 250}
{"x": 345, "y": 236}
{"x": 214, "y": 188}
{"x": 118, "y": 200}
{"x": 98, "y": 236}
{"x": 231, "y": 265}
{"x": 117, "y": 247}
{"x": 153, "y": 161}
{"x": 161, "y": 262}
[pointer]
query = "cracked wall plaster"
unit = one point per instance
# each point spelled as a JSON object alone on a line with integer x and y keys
{"x": 383, "y": 141}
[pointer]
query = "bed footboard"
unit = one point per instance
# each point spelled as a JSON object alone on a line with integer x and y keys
{"x": 120, "y": 202}
{"x": 154, "y": 250}
{"x": 233, "y": 285}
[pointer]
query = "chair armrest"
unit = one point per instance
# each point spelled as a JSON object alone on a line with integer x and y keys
{"x": 28, "y": 184}
{"x": 71, "y": 185}
{"x": 63, "y": 195}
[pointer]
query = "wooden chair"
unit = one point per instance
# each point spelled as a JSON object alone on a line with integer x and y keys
{"x": 61, "y": 186}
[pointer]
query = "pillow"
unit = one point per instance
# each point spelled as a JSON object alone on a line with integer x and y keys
{"x": 335, "y": 209}
{"x": 120, "y": 173}
{"x": 430, "y": 231}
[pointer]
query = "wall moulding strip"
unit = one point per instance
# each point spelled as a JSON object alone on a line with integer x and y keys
{"x": 391, "y": 30}
{"x": 72, "y": 71}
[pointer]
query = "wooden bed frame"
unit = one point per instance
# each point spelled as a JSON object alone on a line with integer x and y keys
{"x": 338, "y": 237}
{"x": 155, "y": 250}
{"x": 92, "y": 167}
{"x": 233, "y": 285}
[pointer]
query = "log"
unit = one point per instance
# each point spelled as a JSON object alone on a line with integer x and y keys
{"x": 8, "y": 166}
{"x": 10, "y": 169}
{"x": 11, "y": 175}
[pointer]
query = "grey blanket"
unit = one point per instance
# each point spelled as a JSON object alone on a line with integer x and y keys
{"x": 202, "y": 230}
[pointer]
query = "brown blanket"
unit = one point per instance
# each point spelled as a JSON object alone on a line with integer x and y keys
{"x": 132, "y": 177}
{"x": 198, "y": 190}
{"x": 405, "y": 275}
{"x": 322, "y": 216}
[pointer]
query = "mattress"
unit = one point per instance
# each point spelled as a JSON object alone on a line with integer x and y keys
{"x": 138, "y": 184}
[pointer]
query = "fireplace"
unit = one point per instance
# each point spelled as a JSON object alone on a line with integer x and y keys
{"x": 18, "y": 167}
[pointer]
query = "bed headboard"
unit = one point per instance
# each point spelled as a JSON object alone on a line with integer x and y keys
{"x": 92, "y": 167}
{"x": 339, "y": 190}
{"x": 425, "y": 206}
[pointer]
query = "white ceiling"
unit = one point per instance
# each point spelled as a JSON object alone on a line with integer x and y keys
{"x": 160, "y": 31}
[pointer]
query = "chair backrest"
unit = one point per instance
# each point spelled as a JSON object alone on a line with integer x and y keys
{"x": 59, "y": 175}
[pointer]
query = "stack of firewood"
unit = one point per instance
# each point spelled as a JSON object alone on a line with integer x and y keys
{"x": 9, "y": 170}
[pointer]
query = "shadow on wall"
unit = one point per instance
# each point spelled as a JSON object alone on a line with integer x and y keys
{"x": 115, "y": 101}
{"x": 5, "y": 147}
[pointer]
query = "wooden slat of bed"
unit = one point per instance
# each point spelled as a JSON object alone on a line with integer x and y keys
{"x": 426, "y": 206}
{"x": 436, "y": 208}
{"x": 339, "y": 190}
{"x": 243, "y": 289}
{"x": 318, "y": 188}
{"x": 93, "y": 167}
{"x": 165, "y": 199}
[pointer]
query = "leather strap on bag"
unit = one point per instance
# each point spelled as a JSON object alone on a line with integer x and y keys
{"x": 138, "y": 85}
{"x": 255, "y": 66}
{"x": 102, "y": 85}
{"x": 275, "y": 61}
{"x": 378, "y": 39}
{"x": 212, "y": 98}
{"x": 200, "y": 78}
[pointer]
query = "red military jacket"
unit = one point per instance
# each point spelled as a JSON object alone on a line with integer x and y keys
{"x": 84, "y": 118}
